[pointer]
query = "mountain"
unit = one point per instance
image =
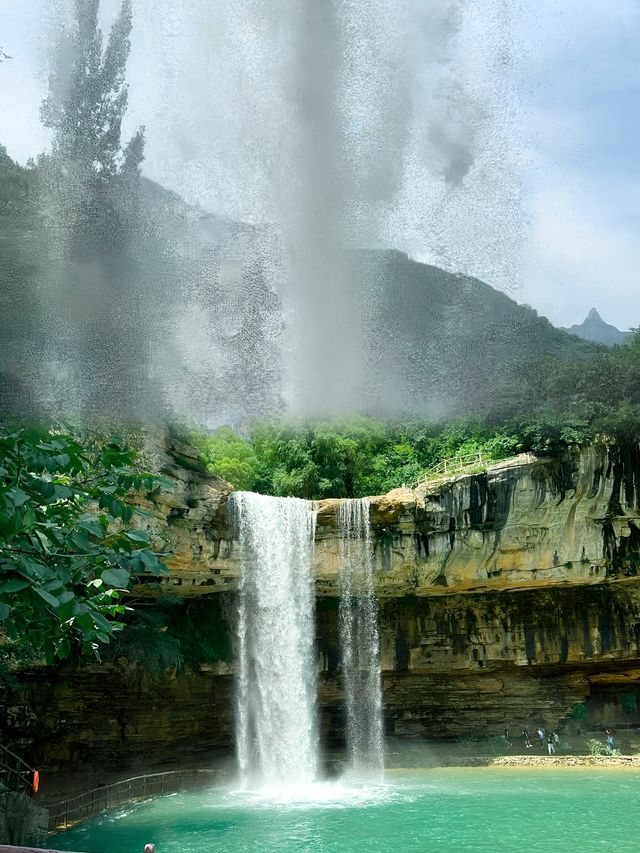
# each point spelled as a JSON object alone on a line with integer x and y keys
{"x": 208, "y": 322}
{"x": 594, "y": 328}
{"x": 193, "y": 290}
{"x": 445, "y": 343}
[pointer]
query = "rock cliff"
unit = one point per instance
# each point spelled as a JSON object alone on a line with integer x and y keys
{"x": 525, "y": 523}
{"x": 506, "y": 598}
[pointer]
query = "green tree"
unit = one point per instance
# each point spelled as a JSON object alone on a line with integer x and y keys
{"x": 92, "y": 177}
{"x": 225, "y": 454}
{"x": 88, "y": 94}
{"x": 99, "y": 237}
{"x": 68, "y": 549}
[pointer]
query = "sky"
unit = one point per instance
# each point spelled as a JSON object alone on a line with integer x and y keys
{"x": 581, "y": 91}
{"x": 577, "y": 79}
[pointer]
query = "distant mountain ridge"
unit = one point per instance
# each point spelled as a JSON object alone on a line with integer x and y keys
{"x": 445, "y": 343}
{"x": 593, "y": 328}
{"x": 432, "y": 343}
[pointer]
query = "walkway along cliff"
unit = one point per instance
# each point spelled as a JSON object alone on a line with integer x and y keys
{"x": 506, "y": 598}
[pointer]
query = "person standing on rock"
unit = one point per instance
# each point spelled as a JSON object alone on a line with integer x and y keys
{"x": 551, "y": 745}
{"x": 541, "y": 737}
{"x": 527, "y": 741}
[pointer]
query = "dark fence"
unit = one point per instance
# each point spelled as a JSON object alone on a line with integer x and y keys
{"x": 67, "y": 813}
{"x": 15, "y": 774}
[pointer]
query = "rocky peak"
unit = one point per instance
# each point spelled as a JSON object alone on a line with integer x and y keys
{"x": 594, "y": 328}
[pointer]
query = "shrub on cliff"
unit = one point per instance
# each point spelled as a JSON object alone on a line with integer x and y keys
{"x": 226, "y": 455}
{"x": 68, "y": 549}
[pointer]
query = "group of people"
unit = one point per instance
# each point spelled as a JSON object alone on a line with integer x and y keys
{"x": 552, "y": 739}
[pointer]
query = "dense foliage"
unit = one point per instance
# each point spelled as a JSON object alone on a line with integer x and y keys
{"x": 362, "y": 456}
{"x": 68, "y": 546}
{"x": 358, "y": 456}
{"x": 227, "y": 455}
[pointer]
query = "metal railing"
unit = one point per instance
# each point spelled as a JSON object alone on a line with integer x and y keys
{"x": 15, "y": 773}
{"x": 68, "y": 813}
{"x": 462, "y": 464}
{"x": 456, "y": 465}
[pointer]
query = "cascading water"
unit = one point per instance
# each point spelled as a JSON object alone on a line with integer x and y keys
{"x": 359, "y": 640}
{"x": 276, "y": 729}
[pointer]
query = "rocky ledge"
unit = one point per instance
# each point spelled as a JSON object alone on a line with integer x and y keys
{"x": 508, "y": 598}
{"x": 617, "y": 761}
{"x": 521, "y": 524}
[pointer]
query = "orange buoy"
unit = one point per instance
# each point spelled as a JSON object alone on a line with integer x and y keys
{"x": 36, "y": 781}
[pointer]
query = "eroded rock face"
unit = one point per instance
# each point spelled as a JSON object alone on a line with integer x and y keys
{"x": 524, "y": 523}
{"x": 458, "y": 666}
{"x": 505, "y": 599}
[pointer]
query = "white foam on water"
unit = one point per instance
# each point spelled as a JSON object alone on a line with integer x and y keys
{"x": 334, "y": 794}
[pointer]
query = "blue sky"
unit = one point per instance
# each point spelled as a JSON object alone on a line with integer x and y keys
{"x": 581, "y": 92}
{"x": 579, "y": 87}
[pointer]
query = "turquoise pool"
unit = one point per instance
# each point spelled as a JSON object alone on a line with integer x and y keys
{"x": 475, "y": 809}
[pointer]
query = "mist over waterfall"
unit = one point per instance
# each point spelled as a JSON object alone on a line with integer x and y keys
{"x": 377, "y": 124}
{"x": 201, "y": 254}
{"x": 359, "y": 640}
{"x": 276, "y": 729}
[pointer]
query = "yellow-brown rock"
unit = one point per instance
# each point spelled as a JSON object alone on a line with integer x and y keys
{"x": 523, "y": 523}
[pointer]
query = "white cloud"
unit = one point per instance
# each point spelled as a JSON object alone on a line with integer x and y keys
{"x": 581, "y": 74}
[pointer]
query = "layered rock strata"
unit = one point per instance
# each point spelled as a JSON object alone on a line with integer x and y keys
{"x": 527, "y": 522}
{"x": 454, "y": 667}
{"x": 506, "y": 598}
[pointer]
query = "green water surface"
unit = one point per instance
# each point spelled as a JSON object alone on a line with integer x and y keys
{"x": 478, "y": 809}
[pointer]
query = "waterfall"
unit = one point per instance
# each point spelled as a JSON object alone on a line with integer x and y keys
{"x": 359, "y": 639}
{"x": 276, "y": 731}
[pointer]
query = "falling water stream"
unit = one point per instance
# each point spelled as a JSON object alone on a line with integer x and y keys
{"x": 276, "y": 731}
{"x": 276, "y": 727}
{"x": 294, "y": 132}
{"x": 359, "y": 640}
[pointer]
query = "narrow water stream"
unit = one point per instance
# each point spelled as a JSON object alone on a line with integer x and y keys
{"x": 359, "y": 640}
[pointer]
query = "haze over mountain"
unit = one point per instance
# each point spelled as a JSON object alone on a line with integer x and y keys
{"x": 210, "y": 330}
{"x": 434, "y": 343}
{"x": 594, "y": 328}
{"x": 451, "y": 343}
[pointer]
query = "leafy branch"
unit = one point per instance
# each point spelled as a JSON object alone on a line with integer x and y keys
{"x": 70, "y": 546}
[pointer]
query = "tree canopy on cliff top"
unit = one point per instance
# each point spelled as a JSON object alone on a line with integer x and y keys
{"x": 357, "y": 456}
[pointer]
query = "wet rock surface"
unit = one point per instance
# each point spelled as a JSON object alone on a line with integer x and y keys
{"x": 506, "y": 599}
{"x": 525, "y": 522}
